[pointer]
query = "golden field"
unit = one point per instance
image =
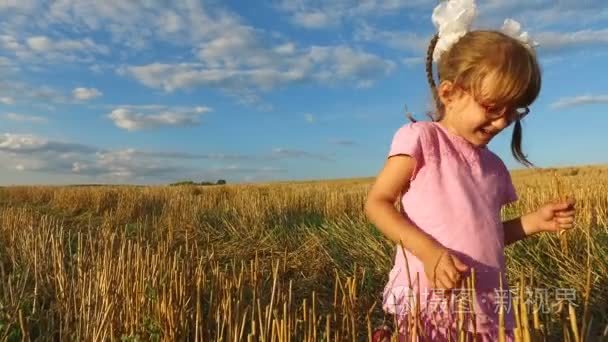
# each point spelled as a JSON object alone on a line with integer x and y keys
{"x": 265, "y": 262}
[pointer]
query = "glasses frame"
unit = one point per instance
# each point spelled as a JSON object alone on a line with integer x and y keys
{"x": 494, "y": 114}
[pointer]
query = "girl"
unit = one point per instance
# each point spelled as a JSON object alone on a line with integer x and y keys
{"x": 451, "y": 187}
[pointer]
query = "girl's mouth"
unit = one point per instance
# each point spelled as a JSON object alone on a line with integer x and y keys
{"x": 487, "y": 133}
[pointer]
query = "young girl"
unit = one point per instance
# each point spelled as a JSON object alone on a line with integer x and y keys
{"x": 451, "y": 187}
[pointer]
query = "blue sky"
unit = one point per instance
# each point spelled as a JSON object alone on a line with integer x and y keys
{"x": 151, "y": 92}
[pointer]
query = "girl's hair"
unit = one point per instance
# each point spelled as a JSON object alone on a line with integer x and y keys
{"x": 478, "y": 54}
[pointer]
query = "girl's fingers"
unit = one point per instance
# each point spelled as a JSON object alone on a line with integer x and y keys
{"x": 440, "y": 282}
{"x": 452, "y": 275}
{"x": 566, "y": 226}
{"x": 565, "y": 213}
{"x": 565, "y": 220}
{"x": 446, "y": 282}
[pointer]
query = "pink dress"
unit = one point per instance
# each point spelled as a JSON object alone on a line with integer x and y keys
{"x": 455, "y": 195}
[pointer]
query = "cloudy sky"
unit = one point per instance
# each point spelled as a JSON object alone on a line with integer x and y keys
{"x": 154, "y": 91}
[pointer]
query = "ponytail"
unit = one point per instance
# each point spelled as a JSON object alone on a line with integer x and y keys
{"x": 438, "y": 106}
{"x": 516, "y": 145}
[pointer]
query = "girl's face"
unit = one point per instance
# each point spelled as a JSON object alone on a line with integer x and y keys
{"x": 473, "y": 120}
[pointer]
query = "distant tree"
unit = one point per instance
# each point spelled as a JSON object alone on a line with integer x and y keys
{"x": 184, "y": 182}
{"x": 189, "y": 182}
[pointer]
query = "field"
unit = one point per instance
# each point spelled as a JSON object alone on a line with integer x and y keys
{"x": 266, "y": 262}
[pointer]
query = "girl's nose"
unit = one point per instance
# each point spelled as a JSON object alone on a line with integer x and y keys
{"x": 500, "y": 123}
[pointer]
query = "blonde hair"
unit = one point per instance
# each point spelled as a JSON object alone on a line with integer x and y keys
{"x": 514, "y": 69}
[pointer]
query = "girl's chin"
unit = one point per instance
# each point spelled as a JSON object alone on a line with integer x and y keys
{"x": 483, "y": 138}
{"x": 479, "y": 139}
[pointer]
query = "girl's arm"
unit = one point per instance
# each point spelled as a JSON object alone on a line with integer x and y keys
{"x": 380, "y": 209}
{"x": 551, "y": 217}
{"x": 520, "y": 227}
{"x": 442, "y": 269}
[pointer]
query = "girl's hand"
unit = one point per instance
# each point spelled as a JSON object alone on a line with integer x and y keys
{"x": 444, "y": 269}
{"x": 556, "y": 216}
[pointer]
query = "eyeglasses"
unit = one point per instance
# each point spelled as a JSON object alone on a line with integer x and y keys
{"x": 494, "y": 113}
{"x": 511, "y": 114}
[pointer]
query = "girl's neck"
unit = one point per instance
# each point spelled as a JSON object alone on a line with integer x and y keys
{"x": 449, "y": 127}
{"x": 446, "y": 123}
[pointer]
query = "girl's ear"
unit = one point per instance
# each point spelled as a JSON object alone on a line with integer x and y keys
{"x": 445, "y": 92}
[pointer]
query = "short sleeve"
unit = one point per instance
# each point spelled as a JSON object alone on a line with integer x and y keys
{"x": 510, "y": 195}
{"x": 408, "y": 140}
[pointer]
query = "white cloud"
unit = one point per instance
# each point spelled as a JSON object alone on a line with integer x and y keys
{"x": 179, "y": 22}
{"x": 38, "y": 95}
{"x": 285, "y": 49}
{"x": 40, "y": 44}
{"x": 133, "y": 121}
{"x": 26, "y": 152}
{"x": 539, "y": 14}
{"x": 207, "y": 156}
{"x": 96, "y": 68}
{"x": 17, "y": 4}
{"x": 7, "y": 100}
{"x": 5, "y": 62}
{"x": 27, "y": 143}
{"x": 314, "y": 19}
{"x": 289, "y": 153}
{"x": 202, "y": 109}
{"x": 34, "y": 153}
{"x": 85, "y": 94}
{"x": 43, "y": 95}
{"x": 10, "y": 43}
{"x": 236, "y": 58}
{"x": 25, "y": 118}
{"x": 570, "y": 40}
{"x": 241, "y": 71}
{"x": 413, "y": 61}
{"x": 248, "y": 170}
{"x": 401, "y": 40}
{"x": 10, "y": 141}
{"x": 237, "y": 47}
{"x": 536, "y": 16}
{"x": 157, "y": 108}
{"x": 314, "y": 14}
{"x": 580, "y": 101}
{"x": 309, "y": 118}
{"x": 43, "y": 49}
{"x": 167, "y": 76}
{"x": 171, "y": 22}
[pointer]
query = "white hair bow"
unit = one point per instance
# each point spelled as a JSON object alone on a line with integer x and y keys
{"x": 453, "y": 20}
{"x": 513, "y": 28}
